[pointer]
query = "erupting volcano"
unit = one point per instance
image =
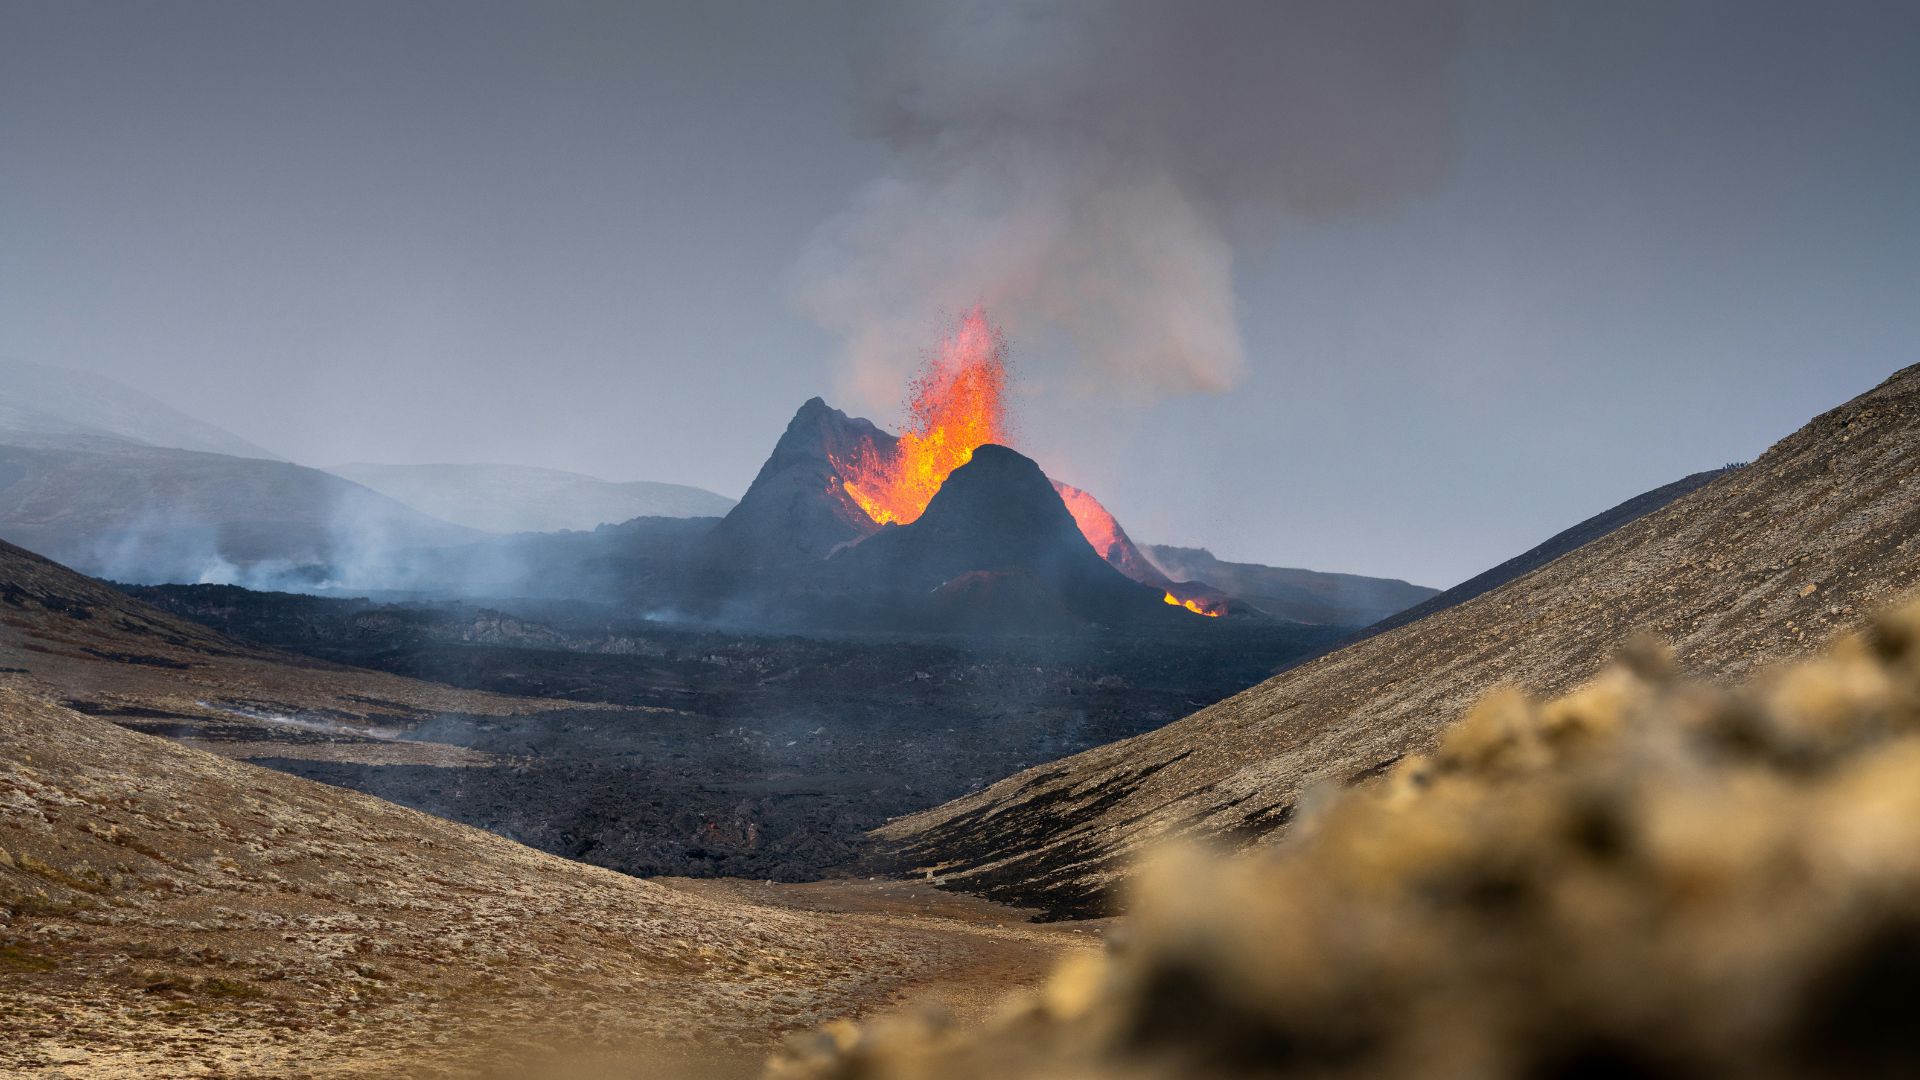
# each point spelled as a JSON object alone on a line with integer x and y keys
{"x": 955, "y": 407}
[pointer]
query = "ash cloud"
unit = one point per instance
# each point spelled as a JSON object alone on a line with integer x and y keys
{"x": 1085, "y": 169}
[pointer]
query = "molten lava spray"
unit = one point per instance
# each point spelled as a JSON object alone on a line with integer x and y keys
{"x": 955, "y": 406}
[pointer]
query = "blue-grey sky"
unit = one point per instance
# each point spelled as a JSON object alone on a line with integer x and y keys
{"x": 1396, "y": 292}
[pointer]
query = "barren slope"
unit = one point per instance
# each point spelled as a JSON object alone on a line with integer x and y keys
{"x": 1760, "y": 565}
{"x": 166, "y": 912}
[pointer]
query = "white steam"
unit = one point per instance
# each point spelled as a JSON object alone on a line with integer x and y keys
{"x": 1085, "y": 168}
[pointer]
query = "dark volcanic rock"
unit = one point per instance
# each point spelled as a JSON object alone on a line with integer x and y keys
{"x": 1000, "y": 515}
{"x": 796, "y": 511}
{"x": 755, "y": 755}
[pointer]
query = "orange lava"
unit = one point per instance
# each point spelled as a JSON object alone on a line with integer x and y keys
{"x": 1198, "y": 607}
{"x": 957, "y": 405}
{"x": 1095, "y": 523}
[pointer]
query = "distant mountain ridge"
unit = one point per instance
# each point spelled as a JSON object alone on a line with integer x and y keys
{"x": 526, "y": 498}
{"x": 150, "y": 514}
{"x": 37, "y": 401}
{"x": 1311, "y": 596}
{"x": 102, "y": 477}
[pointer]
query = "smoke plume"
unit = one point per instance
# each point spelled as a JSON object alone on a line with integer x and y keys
{"x": 1084, "y": 169}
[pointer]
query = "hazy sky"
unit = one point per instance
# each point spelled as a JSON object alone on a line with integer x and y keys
{"x": 1382, "y": 293}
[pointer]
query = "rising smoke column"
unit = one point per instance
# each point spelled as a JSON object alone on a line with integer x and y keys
{"x": 1084, "y": 169}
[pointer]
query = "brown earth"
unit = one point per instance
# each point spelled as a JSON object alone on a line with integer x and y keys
{"x": 168, "y": 912}
{"x": 1761, "y": 565}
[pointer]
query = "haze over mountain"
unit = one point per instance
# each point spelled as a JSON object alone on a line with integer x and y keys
{"x": 99, "y": 476}
{"x": 38, "y": 401}
{"x": 524, "y": 498}
{"x": 90, "y": 645}
{"x": 129, "y": 512}
{"x": 1763, "y": 564}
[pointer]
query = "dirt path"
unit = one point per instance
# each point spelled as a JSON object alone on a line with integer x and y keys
{"x": 994, "y": 948}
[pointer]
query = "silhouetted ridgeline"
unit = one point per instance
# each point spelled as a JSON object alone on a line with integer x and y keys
{"x": 1555, "y": 546}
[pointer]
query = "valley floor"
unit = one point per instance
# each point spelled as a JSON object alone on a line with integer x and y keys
{"x": 168, "y": 912}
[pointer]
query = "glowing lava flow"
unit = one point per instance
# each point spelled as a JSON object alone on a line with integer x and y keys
{"x": 1198, "y": 607}
{"x": 957, "y": 405}
{"x": 1096, "y": 524}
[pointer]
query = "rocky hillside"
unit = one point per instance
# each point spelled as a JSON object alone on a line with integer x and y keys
{"x": 997, "y": 548}
{"x": 795, "y": 511}
{"x": 1550, "y": 549}
{"x": 166, "y": 912}
{"x": 1761, "y": 565}
{"x": 521, "y": 498}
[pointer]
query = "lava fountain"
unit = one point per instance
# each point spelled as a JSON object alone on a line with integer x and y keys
{"x": 956, "y": 405}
